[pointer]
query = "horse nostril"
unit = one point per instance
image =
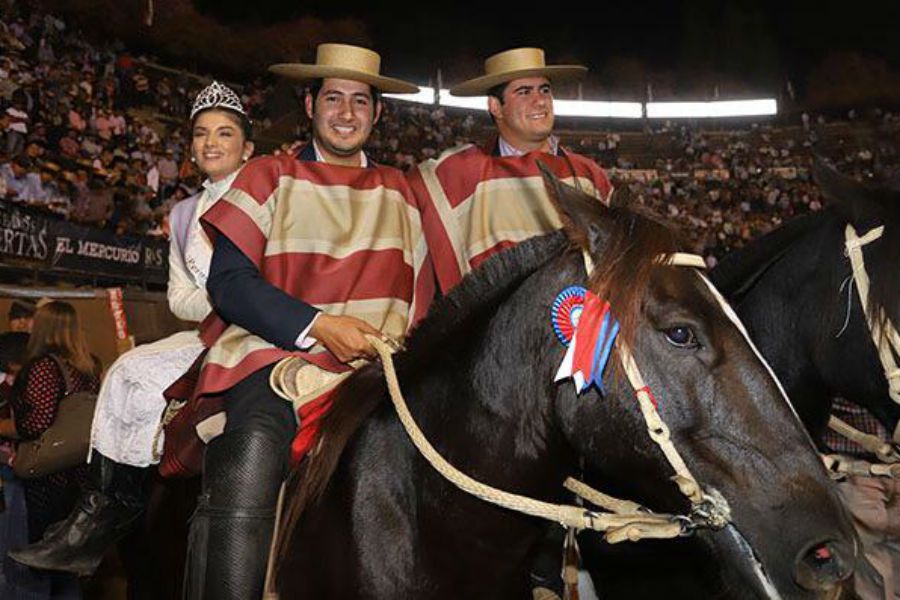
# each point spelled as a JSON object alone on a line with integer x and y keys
{"x": 823, "y": 566}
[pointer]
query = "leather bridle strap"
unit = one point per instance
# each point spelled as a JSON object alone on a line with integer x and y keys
{"x": 887, "y": 343}
{"x": 886, "y": 339}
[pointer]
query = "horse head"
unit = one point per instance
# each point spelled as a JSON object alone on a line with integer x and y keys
{"x": 728, "y": 417}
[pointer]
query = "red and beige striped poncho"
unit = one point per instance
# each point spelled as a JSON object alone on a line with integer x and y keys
{"x": 475, "y": 204}
{"x": 347, "y": 240}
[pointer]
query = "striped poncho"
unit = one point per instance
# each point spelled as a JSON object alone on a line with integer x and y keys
{"x": 346, "y": 240}
{"x": 475, "y": 204}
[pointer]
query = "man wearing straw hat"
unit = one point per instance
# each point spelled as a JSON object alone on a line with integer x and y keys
{"x": 311, "y": 254}
{"x": 478, "y": 200}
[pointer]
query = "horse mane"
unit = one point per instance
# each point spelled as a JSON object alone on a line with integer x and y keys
{"x": 636, "y": 240}
{"x": 739, "y": 271}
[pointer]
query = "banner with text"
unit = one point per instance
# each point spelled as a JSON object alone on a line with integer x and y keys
{"x": 29, "y": 239}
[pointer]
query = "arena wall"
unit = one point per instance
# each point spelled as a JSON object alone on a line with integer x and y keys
{"x": 146, "y": 315}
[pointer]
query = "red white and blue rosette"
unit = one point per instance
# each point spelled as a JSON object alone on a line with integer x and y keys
{"x": 584, "y": 322}
{"x": 565, "y": 313}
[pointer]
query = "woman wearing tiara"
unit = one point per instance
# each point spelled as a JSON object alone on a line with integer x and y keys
{"x": 126, "y": 422}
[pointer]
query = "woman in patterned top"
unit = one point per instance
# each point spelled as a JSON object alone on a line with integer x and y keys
{"x": 57, "y": 342}
{"x": 39, "y": 388}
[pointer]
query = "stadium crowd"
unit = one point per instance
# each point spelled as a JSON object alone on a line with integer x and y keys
{"x": 87, "y": 129}
{"x": 95, "y": 135}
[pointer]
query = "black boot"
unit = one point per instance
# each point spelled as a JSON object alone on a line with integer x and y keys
{"x": 231, "y": 530}
{"x": 105, "y": 513}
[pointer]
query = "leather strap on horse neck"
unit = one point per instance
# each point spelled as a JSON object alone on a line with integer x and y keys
{"x": 887, "y": 340}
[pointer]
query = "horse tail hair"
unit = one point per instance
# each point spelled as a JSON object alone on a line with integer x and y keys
{"x": 353, "y": 402}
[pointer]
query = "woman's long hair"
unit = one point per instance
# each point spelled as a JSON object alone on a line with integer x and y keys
{"x": 57, "y": 330}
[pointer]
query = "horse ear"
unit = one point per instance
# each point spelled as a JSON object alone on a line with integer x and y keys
{"x": 850, "y": 198}
{"x": 580, "y": 213}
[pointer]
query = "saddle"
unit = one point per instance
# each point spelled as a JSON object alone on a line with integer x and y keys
{"x": 190, "y": 422}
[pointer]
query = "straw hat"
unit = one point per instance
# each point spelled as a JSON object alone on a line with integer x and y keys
{"x": 345, "y": 62}
{"x": 515, "y": 64}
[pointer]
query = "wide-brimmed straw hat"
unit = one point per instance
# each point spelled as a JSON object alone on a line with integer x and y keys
{"x": 342, "y": 61}
{"x": 515, "y": 64}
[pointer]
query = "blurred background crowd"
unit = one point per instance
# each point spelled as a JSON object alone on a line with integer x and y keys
{"x": 94, "y": 134}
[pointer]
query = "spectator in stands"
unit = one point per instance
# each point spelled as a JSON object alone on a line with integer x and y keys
{"x": 168, "y": 173}
{"x": 22, "y": 183}
{"x": 21, "y": 316}
{"x": 141, "y": 86}
{"x": 94, "y": 202}
{"x": 57, "y": 362}
{"x": 131, "y": 401}
{"x": 13, "y": 520}
{"x": 17, "y": 124}
{"x": 101, "y": 124}
{"x": 56, "y": 194}
{"x": 76, "y": 120}
{"x": 117, "y": 124}
{"x": 68, "y": 144}
{"x": 12, "y": 353}
{"x": 34, "y": 150}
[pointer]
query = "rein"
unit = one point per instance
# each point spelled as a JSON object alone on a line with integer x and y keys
{"x": 622, "y": 520}
{"x": 887, "y": 343}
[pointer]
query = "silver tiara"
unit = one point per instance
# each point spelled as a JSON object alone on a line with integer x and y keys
{"x": 216, "y": 95}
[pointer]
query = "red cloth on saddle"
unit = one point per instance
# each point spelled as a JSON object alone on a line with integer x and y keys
{"x": 310, "y": 414}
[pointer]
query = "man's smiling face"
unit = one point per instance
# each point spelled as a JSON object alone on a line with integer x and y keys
{"x": 525, "y": 117}
{"x": 343, "y": 114}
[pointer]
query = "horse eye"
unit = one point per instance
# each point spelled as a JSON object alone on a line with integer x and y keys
{"x": 681, "y": 336}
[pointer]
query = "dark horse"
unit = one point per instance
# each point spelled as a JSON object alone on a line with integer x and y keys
{"x": 373, "y": 520}
{"x": 791, "y": 290}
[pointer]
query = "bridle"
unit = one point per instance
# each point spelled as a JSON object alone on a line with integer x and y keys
{"x": 620, "y": 519}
